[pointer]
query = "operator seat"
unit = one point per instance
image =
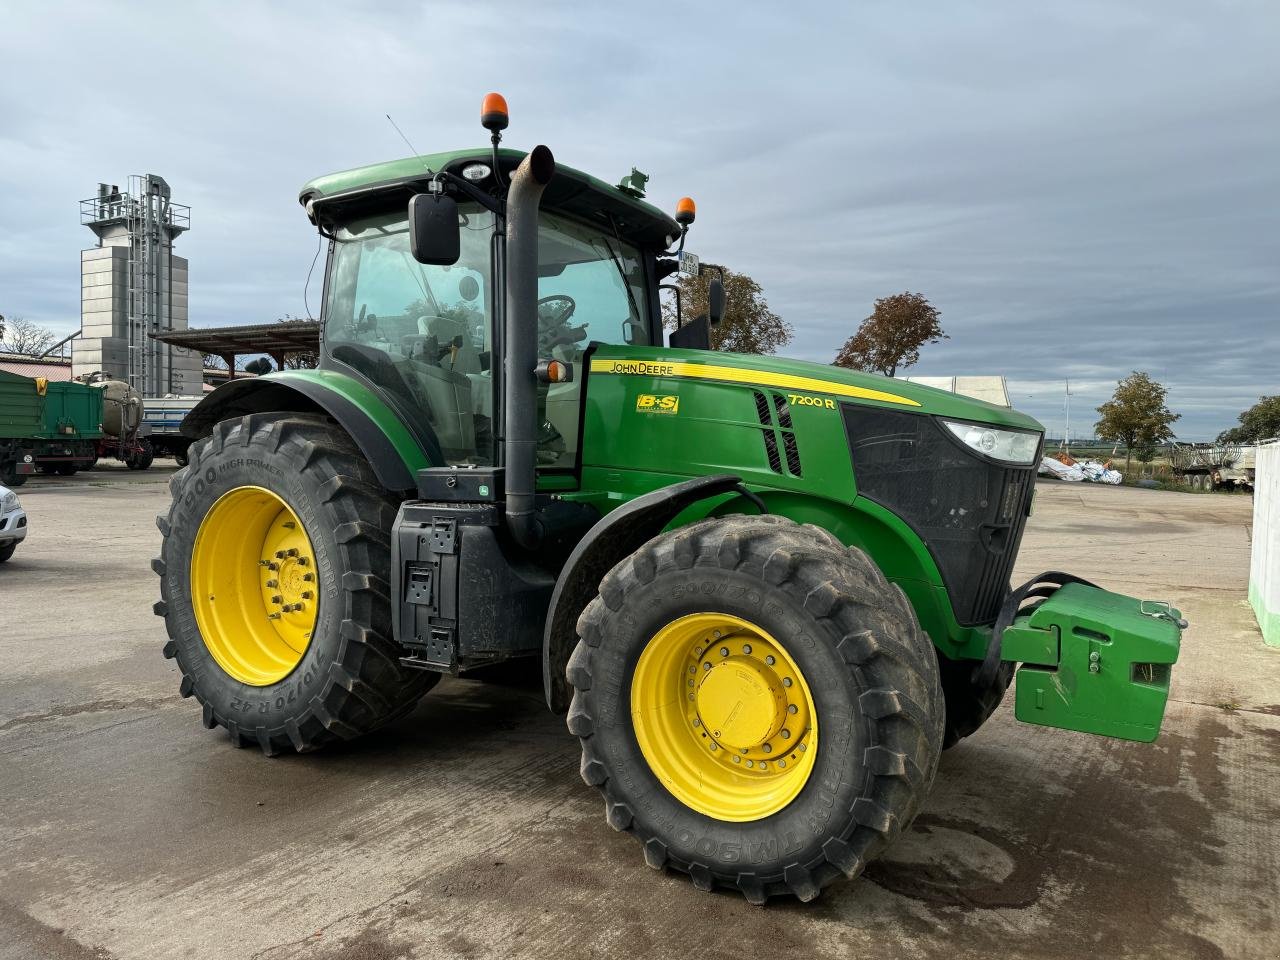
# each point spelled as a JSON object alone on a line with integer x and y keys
{"x": 438, "y": 372}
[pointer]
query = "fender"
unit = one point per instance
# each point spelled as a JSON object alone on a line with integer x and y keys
{"x": 394, "y": 450}
{"x": 616, "y": 535}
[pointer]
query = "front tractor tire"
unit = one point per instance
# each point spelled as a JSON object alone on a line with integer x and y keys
{"x": 757, "y": 704}
{"x": 274, "y": 574}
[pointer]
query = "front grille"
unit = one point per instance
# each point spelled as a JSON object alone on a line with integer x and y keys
{"x": 993, "y": 582}
{"x": 969, "y": 512}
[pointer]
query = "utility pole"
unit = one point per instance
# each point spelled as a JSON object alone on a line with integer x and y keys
{"x": 1066, "y": 430}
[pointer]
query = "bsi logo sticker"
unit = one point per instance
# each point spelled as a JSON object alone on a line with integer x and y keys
{"x": 652, "y": 403}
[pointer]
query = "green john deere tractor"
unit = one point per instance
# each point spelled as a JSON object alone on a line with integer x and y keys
{"x": 767, "y": 593}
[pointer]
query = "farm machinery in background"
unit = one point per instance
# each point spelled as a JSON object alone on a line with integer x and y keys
{"x": 1213, "y": 466}
{"x": 51, "y": 427}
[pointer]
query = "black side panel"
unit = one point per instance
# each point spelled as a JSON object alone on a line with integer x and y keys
{"x": 240, "y": 397}
{"x": 970, "y": 512}
{"x": 463, "y": 599}
{"x": 616, "y": 535}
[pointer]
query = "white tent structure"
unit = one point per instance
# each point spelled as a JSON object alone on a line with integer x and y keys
{"x": 990, "y": 389}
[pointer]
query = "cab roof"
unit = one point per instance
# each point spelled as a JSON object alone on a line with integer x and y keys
{"x": 363, "y": 190}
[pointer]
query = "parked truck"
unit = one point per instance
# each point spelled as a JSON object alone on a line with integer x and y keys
{"x": 767, "y": 593}
{"x": 1213, "y": 466}
{"x": 162, "y": 417}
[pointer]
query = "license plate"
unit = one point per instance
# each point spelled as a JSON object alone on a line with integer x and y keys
{"x": 689, "y": 263}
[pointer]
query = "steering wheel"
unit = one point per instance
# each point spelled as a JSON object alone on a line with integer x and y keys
{"x": 563, "y": 313}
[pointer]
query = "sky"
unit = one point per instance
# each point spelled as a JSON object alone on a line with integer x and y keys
{"x": 1083, "y": 189}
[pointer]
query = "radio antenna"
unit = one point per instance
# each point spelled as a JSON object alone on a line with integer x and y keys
{"x": 407, "y": 143}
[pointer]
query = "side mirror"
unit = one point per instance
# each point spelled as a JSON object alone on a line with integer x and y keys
{"x": 434, "y": 234}
{"x": 715, "y": 301}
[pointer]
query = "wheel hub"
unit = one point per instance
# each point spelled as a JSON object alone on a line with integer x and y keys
{"x": 742, "y": 702}
{"x": 253, "y": 586}
{"x": 738, "y": 740}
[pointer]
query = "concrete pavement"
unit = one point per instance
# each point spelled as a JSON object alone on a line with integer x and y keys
{"x": 129, "y": 831}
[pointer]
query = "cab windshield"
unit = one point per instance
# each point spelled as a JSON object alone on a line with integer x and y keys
{"x": 425, "y": 333}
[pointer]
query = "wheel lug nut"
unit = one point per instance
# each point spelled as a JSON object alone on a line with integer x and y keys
{"x": 716, "y": 634}
{"x": 292, "y": 552}
{"x": 697, "y": 722}
{"x": 306, "y": 595}
{"x": 273, "y": 616}
{"x": 280, "y": 554}
{"x": 272, "y": 583}
{"x": 303, "y": 561}
{"x": 264, "y": 563}
{"x": 770, "y": 661}
{"x": 746, "y": 648}
{"x": 724, "y": 651}
{"x": 782, "y": 763}
{"x": 750, "y": 763}
{"x": 793, "y": 709}
{"x": 277, "y": 599}
{"x": 308, "y": 577}
{"x": 786, "y": 734}
{"x": 273, "y": 566}
{"x": 786, "y": 681}
{"x": 737, "y": 759}
{"x": 768, "y": 748}
{"x": 706, "y": 666}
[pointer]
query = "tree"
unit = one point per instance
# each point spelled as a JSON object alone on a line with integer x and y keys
{"x": 893, "y": 335}
{"x": 1136, "y": 415}
{"x": 749, "y": 326}
{"x": 1259, "y": 422}
{"x": 19, "y": 335}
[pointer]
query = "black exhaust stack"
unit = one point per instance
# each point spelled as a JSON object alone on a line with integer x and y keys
{"x": 521, "y": 343}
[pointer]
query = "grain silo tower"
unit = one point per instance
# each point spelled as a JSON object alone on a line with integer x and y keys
{"x": 132, "y": 285}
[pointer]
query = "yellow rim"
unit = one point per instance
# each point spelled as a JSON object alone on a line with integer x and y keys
{"x": 253, "y": 586}
{"x": 724, "y": 717}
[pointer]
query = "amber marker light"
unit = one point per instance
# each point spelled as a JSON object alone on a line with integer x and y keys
{"x": 685, "y": 211}
{"x": 554, "y": 371}
{"x": 493, "y": 112}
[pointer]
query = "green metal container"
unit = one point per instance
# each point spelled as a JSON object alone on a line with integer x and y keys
{"x": 21, "y": 407}
{"x": 71, "y": 411}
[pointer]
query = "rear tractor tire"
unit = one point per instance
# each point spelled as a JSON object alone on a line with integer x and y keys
{"x": 757, "y": 704}
{"x": 274, "y": 574}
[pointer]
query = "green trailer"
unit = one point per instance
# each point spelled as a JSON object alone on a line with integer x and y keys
{"x": 21, "y": 419}
{"x": 766, "y": 593}
{"x": 63, "y": 427}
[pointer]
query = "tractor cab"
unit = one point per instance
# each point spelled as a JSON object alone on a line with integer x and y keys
{"x": 430, "y": 334}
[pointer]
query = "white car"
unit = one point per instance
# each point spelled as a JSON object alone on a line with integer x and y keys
{"x": 13, "y": 523}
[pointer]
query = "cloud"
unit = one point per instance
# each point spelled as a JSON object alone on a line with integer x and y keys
{"x": 1083, "y": 190}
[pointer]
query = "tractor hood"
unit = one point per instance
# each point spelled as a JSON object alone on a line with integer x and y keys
{"x": 803, "y": 377}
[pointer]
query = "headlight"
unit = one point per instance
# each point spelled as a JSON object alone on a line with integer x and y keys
{"x": 1011, "y": 446}
{"x": 8, "y": 502}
